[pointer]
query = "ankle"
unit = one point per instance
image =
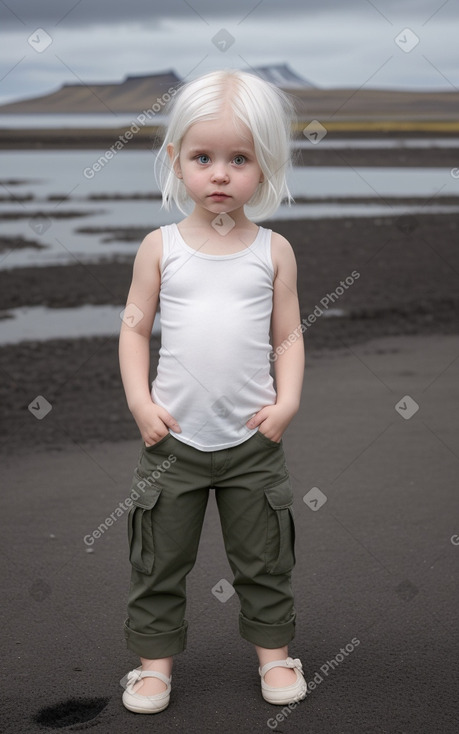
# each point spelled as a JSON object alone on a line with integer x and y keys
{"x": 160, "y": 665}
{"x": 268, "y": 655}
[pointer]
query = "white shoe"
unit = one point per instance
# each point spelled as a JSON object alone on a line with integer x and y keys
{"x": 286, "y": 694}
{"x": 146, "y": 704}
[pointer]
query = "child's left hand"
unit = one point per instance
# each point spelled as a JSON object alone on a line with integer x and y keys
{"x": 272, "y": 421}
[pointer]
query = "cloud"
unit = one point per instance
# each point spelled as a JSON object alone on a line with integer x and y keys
{"x": 340, "y": 47}
{"x": 77, "y": 13}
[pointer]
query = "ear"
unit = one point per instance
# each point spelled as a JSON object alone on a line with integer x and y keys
{"x": 171, "y": 153}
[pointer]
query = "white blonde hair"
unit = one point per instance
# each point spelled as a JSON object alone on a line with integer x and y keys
{"x": 263, "y": 108}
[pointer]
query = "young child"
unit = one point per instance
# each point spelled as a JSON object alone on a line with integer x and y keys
{"x": 213, "y": 419}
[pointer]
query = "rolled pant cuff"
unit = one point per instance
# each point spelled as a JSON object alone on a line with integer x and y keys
{"x": 160, "y": 645}
{"x": 267, "y": 635}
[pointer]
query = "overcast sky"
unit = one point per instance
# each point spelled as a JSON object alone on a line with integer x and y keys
{"x": 330, "y": 43}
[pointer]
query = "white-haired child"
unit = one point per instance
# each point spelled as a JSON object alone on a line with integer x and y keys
{"x": 214, "y": 416}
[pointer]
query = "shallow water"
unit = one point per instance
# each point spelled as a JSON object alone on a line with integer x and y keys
{"x": 62, "y": 121}
{"x": 65, "y": 245}
{"x": 61, "y": 175}
{"x": 38, "y": 323}
{"x": 54, "y": 173}
{"x": 331, "y": 142}
{"x": 72, "y": 174}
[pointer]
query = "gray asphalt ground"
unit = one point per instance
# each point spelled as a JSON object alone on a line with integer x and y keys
{"x": 376, "y": 563}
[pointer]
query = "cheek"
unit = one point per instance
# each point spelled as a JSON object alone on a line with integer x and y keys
{"x": 192, "y": 176}
{"x": 194, "y": 184}
{"x": 251, "y": 179}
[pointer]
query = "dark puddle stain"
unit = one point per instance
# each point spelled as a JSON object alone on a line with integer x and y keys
{"x": 72, "y": 711}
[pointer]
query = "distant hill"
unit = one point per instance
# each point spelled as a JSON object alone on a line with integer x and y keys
{"x": 137, "y": 93}
{"x": 377, "y": 104}
{"x": 132, "y": 94}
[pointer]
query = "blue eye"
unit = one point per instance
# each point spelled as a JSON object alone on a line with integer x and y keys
{"x": 239, "y": 160}
{"x": 201, "y": 157}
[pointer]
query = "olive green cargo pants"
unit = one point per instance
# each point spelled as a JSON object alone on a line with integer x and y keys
{"x": 169, "y": 495}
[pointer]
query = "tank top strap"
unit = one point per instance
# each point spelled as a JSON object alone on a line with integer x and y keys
{"x": 167, "y": 234}
{"x": 263, "y": 248}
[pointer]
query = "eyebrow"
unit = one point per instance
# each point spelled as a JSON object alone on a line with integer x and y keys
{"x": 200, "y": 148}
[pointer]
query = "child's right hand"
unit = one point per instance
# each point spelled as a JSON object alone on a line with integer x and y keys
{"x": 153, "y": 422}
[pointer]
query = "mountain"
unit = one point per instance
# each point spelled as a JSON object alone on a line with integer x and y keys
{"x": 132, "y": 94}
{"x": 137, "y": 93}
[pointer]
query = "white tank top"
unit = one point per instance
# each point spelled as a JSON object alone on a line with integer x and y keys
{"x": 214, "y": 370}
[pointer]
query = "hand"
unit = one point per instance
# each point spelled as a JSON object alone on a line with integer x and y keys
{"x": 272, "y": 420}
{"x": 153, "y": 422}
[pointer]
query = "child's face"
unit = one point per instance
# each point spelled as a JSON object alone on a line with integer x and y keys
{"x": 217, "y": 164}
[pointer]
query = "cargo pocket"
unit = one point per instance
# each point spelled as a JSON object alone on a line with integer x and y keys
{"x": 140, "y": 525}
{"x": 280, "y": 541}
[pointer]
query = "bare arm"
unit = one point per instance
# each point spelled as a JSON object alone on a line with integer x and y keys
{"x": 134, "y": 344}
{"x": 288, "y": 345}
{"x": 288, "y": 342}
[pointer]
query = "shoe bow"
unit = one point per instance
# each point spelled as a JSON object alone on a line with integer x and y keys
{"x": 294, "y": 663}
{"x": 133, "y": 677}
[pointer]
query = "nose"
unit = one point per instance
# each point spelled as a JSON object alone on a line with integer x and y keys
{"x": 219, "y": 173}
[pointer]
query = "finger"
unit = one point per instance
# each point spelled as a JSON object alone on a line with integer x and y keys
{"x": 151, "y": 443}
{"x": 151, "y": 440}
{"x": 255, "y": 420}
{"x": 170, "y": 422}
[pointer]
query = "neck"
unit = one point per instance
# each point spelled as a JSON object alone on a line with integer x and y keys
{"x": 203, "y": 218}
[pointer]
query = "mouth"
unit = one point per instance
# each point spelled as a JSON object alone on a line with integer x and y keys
{"x": 219, "y": 195}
